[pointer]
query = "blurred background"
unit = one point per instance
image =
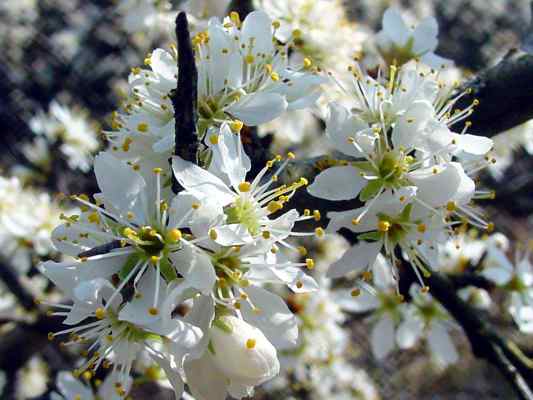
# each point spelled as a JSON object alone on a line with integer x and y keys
{"x": 66, "y": 63}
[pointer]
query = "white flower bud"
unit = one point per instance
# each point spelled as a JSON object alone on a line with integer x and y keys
{"x": 242, "y": 352}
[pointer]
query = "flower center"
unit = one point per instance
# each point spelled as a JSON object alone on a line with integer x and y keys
{"x": 244, "y": 212}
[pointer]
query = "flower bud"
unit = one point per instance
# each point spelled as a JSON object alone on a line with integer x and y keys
{"x": 242, "y": 352}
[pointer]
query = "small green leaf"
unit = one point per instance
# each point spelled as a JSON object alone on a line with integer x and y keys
{"x": 128, "y": 266}
{"x": 370, "y": 190}
{"x": 220, "y": 324}
{"x": 168, "y": 272}
{"x": 373, "y": 236}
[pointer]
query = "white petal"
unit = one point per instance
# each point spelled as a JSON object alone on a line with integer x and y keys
{"x": 342, "y": 125}
{"x": 171, "y": 373}
{"x": 200, "y": 182}
{"x": 436, "y": 189}
{"x": 382, "y": 337}
{"x": 196, "y": 267}
{"x": 362, "y": 303}
{"x": 337, "y": 183}
{"x": 232, "y": 235}
{"x": 498, "y": 275}
{"x": 70, "y": 387}
{"x": 437, "y": 62}
{"x": 163, "y": 64}
{"x": 204, "y": 380}
{"x": 355, "y": 259}
{"x": 425, "y": 36}
{"x": 441, "y": 345}
{"x": 395, "y": 27}
{"x": 120, "y": 185}
{"x": 408, "y": 130}
{"x": 472, "y": 144}
{"x": 231, "y": 156}
{"x": 257, "y": 28}
{"x": 409, "y": 332}
{"x": 258, "y": 108}
{"x": 274, "y": 318}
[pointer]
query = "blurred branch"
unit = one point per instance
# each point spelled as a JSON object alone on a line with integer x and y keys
{"x": 505, "y": 94}
{"x": 185, "y": 96}
{"x": 12, "y": 282}
{"x": 470, "y": 279}
{"x": 485, "y": 342}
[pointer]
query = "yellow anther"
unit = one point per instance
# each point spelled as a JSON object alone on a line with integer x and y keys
{"x": 142, "y": 127}
{"x": 250, "y": 344}
{"x": 307, "y": 212}
{"x": 213, "y": 234}
{"x": 383, "y": 226}
{"x": 424, "y": 289}
{"x": 274, "y": 206}
{"x": 319, "y": 232}
{"x": 475, "y": 102}
{"x": 126, "y": 144}
{"x": 213, "y": 139}
{"x": 249, "y": 59}
{"x": 421, "y": 228}
{"x": 235, "y": 18}
{"x": 153, "y": 311}
{"x": 87, "y": 375}
{"x": 174, "y": 235}
{"x": 157, "y": 170}
{"x": 355, "y": 221}
{"x": 93, "y": 218}
{"x": 100, "y": 313}
{"x": 355, "y": 292}
{"x": 309, "y": 263}
{"x": 154, "y": 259}
{"x": 50, "y": 336}
{"x": 299, "y": 284}
{"x": 316, "y": 215}
{"x": 130, "y": 215}
{"x": 236, "y": 125}
{"x": 276, "y": 24}
{"x": 303, "y": 181}
{"x": 268, "y": 68}
{"x": 128, "y": 232}
{"x": 274, "y": 76}
{"x": 302, "y": 250}
{"x": 307, "y": 63}
{"x": 291, "y": 155}
{"x": 195, "y": 206}
{"x": 297, "y": 33}
{"x": 266, "y": 234}
{"x": 451, "y": 206}
{"x": 490, "y": 227}
{"x": 245, "y": 186}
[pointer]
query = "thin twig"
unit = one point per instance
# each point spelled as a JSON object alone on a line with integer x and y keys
{"x": 185, "y": 97}
{"x": 12, "y": 282}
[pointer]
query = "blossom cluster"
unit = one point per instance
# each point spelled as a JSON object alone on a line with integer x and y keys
{"x": 199, "y": 272}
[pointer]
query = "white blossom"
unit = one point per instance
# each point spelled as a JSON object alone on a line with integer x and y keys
{"x": 398, "y": 43}
{"x": 70, "y": 128}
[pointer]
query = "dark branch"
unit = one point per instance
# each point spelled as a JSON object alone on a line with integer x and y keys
{"x": 505, "y": 94}
{"x": 470, "y": 279}
{"x": 185, "y": 97}
{"x": 485, "y": 342}
{"x": 102, "y": 249}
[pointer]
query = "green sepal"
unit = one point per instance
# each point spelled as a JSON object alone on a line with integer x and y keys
{"x": 373, "y": 236}
{"x": 220, "y": 324}
{"x": 211, "y": 348}
{"x": 363, "y": 166}
{"x": 128, "y": 266}
{"x": 370, "y": 190}
{"x": 168, "y": 272}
